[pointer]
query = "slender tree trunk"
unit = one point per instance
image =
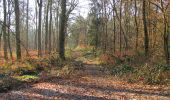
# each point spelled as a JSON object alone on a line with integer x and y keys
{"x": 114, "y": 18}
{"x": 120, "y": 23}
{"x": 106, "y": 22}
{"x": 17, "y": 28}
{"x": 155, "y": 28}
{"x": 50, "y": 27}
{"x": 114, "y": 34}
{"x": 9, "y": 24}
{"x": 46, "y": 27}
{"x": 57, "y": 27}
{"x": 36, "y": 27}
{"x": 96, "y": 34}
{"x": 136, "y": 25}
{"x": 146, "y": 37}
{"x": 4, "y": 31}
{"x": 27, "y": 29}
{"x": 62, "y": 30}
{"x": 39, "y": 28}
{"x": 166, "y": 44}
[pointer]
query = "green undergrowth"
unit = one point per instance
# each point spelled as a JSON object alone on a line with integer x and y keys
{"x": 145, "y": 74}
{"x": 138, "y": 69}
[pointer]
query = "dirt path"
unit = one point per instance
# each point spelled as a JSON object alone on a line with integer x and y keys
{"x": 91, "y": 84}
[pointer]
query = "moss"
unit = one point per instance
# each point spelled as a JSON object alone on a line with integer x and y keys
{"x": 26, "y": 77}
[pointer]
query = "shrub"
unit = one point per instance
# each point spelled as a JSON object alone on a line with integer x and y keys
{"x": 55, "y": 60}
{"x": 122, "y": 70}
{"x": 156, "y": 74}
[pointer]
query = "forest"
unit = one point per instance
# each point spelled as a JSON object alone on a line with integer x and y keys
{"x": 84, "y": 49}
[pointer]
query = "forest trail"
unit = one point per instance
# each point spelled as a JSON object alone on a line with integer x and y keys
{"x": 92, "y": 83}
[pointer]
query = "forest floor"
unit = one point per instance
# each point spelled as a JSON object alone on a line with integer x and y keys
{"x": 92, "y": 82}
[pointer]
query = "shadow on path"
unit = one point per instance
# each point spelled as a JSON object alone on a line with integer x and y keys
{"x": 107, "y": 89}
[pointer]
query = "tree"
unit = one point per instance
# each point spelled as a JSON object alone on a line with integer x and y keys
{"x": 163, "y": 7}
{"x": 50, "y": 27}
{"x": 9, "y": 24}
{"x": 39, "y": 27}
{"x": 136, "y": 25}
{"x": 56, "y": 41}
{"x": 46, "y": 25}
{"x": 114, "y": 18}
{"x": 166, "y": 33}
{"x": 17, "y": 28}
{"x": 4, "y": 31}
{"x": 62, "y": 30}
{"x": 146, "y": 37}
{"x": 120, "y": 24}
{"x": 95, "y": 23}
{"x": 27, "y": 24}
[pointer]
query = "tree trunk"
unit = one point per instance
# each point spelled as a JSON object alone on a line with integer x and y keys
{"x": 120, "y": 23}
{"x": 9, "y": 23}
{"x": 136, "y": 25}
{"x": 146, "y": 37}
{"x": 39, "y": 28}
{"x": 4, "y": 31}
{"x": 165, "y": 35}
{"x": 57, "y": 27}
{"x": 27, "y": 29}
{"x": 50, "y": 27}
{"x": 114, "y": 17}
{"x": 46, "y": 27}
{"x": 166, "y": 44}
{"x": 62, "y": 30}
{"x": 17, "y": 28}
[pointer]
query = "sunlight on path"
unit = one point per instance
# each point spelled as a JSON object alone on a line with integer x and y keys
{"x": 89, "y": 86}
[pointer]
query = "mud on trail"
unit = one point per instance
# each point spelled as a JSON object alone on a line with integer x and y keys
{"x": 92, "y": 83}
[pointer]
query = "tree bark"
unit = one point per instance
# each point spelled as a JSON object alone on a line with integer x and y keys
{"x": 146, "y": 37}
{"x": 4, "y": 31}
{"x": 39, "y": 28}
{"x": 27, "y": 29}
{"x": 114, "y": 18}
{"x": 136, "y": 26}
{"x": 62, "y": 30}
{"x": 120, "y": 23}
{"x": 50, "y": 27}
{"x": 9, "y": 23}
{"x": 17, "y": 28}
{"x": 46, "y": 27}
